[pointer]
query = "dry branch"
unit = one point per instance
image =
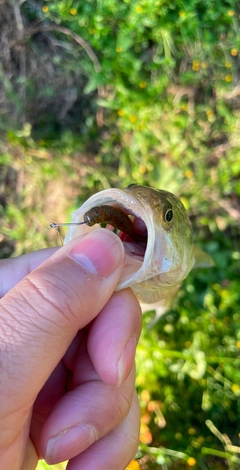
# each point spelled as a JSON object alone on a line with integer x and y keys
{"x": 61, "y": 29}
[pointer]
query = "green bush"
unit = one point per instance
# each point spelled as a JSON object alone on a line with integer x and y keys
{"x": 111, "y": 93}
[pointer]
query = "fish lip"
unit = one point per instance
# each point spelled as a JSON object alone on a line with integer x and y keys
{"x": 133, "y": 206}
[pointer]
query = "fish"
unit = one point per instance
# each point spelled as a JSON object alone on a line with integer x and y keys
{"x": 159, "y": 249}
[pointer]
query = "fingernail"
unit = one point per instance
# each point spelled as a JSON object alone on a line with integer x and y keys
{"x": 70, "y": 443}
{"x": 126, "y": 360}
{"x": 99, "y": 252}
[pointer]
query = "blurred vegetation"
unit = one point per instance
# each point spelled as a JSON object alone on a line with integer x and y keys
{"x": 101, "y": 94}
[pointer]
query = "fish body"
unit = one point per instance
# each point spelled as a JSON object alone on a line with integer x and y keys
{"x": 156, "y": 267}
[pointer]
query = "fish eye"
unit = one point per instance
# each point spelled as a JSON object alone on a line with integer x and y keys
{"x": 168, "y": 216}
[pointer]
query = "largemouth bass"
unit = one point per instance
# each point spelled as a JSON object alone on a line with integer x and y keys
{"x": 158, "y": 244}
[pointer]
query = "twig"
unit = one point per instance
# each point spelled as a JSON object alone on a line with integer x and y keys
{"x": 224, "y": 204}
{"x": 22, "y": 55}
{"x": 234, "y": 213}
{"x": 232, "y": 94}
{"x": 68, "y": 32}
{"x": 223, "y": 438}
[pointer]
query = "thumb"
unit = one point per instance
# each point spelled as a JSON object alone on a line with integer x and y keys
{"x": 42, "y": 314}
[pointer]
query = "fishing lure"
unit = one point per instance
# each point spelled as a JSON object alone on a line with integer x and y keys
{"x": 112, "y": 215}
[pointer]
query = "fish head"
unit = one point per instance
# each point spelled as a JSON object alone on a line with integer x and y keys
{"x": 170, "y": 241}
{"x": 164, "y": 249}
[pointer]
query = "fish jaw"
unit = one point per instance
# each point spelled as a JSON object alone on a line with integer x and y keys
{"x": 160, "y": 263}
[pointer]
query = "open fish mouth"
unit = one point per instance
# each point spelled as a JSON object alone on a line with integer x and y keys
{"x": 138, "y": 245}
{"x": 135, "y": 244}
{"x": 156, "y": 234}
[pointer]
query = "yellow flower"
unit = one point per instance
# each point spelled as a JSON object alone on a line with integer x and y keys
{"x": 184, "y": 107}
{"x": 192, "y": 431}
{"x": 145, "y": 434}
{"x": 191, "y": 462}
{"x": 209, "y": 113}
{"x": 139, "y": 9}
{"x": 142, "y": 169}
{"x": 134, "y": 465}
{"x": 118, "y": 49}
{"x": 188, "y": 174}
{"x": 195, "y": 65}
{"x": 121, "y": 112}
{"x": 142, "y": 84}
{"x": 204, "y": 65}
{"x": 234, "y": 52}
{"x": 188, "y": 343}
{"x": 182, "y": 13}
{"x": 45, "y": 9}
{"x": 73, "y": 11}
{"x": 146, "y": 418}
{"x": 238, "y": 344}
{"x": 228, "y": 78}
{"x": 231, "y": 12}
{"x": 145, "y": 396}
{"x": 236, "y": 389}
{"x": 132, "y": 118}
{"x": 228, "y": 65}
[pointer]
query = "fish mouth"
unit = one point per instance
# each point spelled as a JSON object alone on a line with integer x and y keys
{"x": 138, "y": 246}
{"x": 135, "y": 244}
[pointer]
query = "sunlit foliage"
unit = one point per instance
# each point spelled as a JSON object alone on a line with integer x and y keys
{"x": 110, "y": 93}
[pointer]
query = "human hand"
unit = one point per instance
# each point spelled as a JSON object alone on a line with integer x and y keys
{"x": 67, "y": 347}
